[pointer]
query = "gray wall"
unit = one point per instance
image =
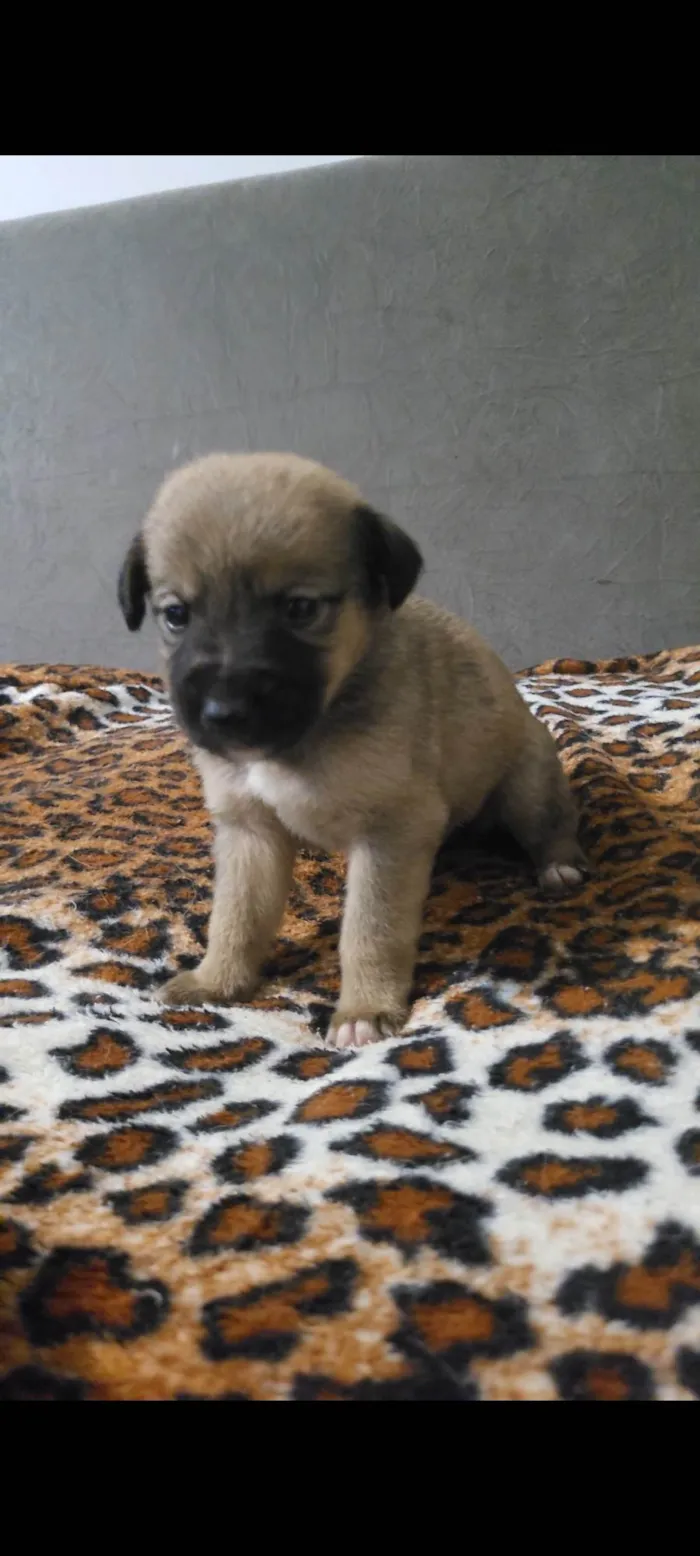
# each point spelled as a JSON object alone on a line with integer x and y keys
{"x": 503, "y": 351}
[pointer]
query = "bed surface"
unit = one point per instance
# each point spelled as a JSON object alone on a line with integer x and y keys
{"x": 502, "y": 1205}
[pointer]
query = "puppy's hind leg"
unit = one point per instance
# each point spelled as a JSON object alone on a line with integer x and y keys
{"x": 535, "y": 803}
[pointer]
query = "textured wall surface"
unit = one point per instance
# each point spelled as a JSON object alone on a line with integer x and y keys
{"x": 503, "y": 351}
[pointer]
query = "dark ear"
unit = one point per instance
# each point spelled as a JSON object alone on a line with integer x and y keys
{"x": 133, "y": 585}
{"x": 392, "y": 561}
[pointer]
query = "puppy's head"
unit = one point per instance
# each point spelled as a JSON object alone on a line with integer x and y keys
{"x": 268, "y": 576}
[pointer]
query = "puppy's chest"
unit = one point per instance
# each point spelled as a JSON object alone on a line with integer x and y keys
{"x": 302, "y": 806}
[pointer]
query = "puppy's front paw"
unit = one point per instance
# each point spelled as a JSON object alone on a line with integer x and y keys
{"x": 354, "y": 1029}
{"x": 187, "y": 988}
{"x": 558, "y": 879}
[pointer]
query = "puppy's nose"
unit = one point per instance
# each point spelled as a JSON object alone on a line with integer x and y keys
{"x": 217, "y": 711}
{"x": 238, "y": 698}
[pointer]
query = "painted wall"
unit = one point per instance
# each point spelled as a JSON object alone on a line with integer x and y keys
{"x": 504, "y": 352}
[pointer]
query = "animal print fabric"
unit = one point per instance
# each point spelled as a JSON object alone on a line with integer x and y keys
{"x": 502, "y": 1205}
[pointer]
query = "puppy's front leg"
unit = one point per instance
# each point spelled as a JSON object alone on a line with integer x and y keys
{"x": 254, "y": 859}
{"x": 388, "y": 880}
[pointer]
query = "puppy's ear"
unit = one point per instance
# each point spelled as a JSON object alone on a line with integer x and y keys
{"x": 392, "y": 561}
{"x": 133, "y": 585}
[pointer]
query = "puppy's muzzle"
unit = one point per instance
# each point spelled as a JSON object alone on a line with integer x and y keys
{"x": 237, "y": 704}
{"x": 258, "y": 708}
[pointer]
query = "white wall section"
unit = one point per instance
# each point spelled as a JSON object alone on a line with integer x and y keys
{"x": 31, "y": 186}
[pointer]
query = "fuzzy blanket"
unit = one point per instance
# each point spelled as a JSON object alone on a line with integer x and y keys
{"x": 504, "y": 1205}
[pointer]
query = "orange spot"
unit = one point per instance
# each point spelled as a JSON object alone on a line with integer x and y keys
{"x": 111, "y": 972}
{"x": 125, "y": 1148}
{"x": 648, "y": 731}
{"x": 339, "y": 1101}
{"x": 149, "y": 1202}
{"x": 403, "y": 1211}
{"x": 129, "y": 1107}
{"x": 56, "y": 1182}
{"x": 18, "y": 938}
{"x": 463, "y": 1320}
{"x": 641, "y": 1287}
{"x": 254, "y": 1159}
{"x": 106, "y": 1052}
{"x": 90, "y": 1289}
{"x": 605, "y": 1384}
{"x": 580, "y": 1116}
{"x": 641, "y": 1061}
{"x": 174, "y": 1016}
{"x": 236, "y": 1222}
{"x": 8, "y": 1238}
{"x": 403, "y": 1145}
{"x": 136, "y": 941}
{"x": 315, "y": 1065}
{"x": 549, "y": 1176}
{"x": 225, "y": 1118}
{"x": 524, "y": 1071}
{"x": 655, "y": 988}
{"x": 228, "y": 1056}
{"x": 441, "y": 1100}
{"x": 275, "y": 1313}
{"x": 422, "y": 1058}
{"x": 480, "y": 1013}
{"x": 575, "y": 1000}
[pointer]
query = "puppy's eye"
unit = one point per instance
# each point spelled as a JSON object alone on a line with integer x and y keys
{"x": 176, "y": 616}
{"x": 300, "y": 610}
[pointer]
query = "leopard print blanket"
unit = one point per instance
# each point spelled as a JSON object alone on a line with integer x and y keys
{"x": 504, "y": 1205}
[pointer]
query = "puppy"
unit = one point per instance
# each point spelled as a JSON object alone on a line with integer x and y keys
{"x": 325, "y": 706}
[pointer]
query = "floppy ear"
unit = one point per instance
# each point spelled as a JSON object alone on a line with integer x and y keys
{"x": 133, "y": 585}
{"x": 391, "y": 559}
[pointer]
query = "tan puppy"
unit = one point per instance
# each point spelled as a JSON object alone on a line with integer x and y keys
{"x": 323, "y": 705}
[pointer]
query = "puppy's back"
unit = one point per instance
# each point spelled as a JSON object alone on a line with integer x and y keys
{"x": 464, "y": 668}
{"x": 469, "y": 708}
